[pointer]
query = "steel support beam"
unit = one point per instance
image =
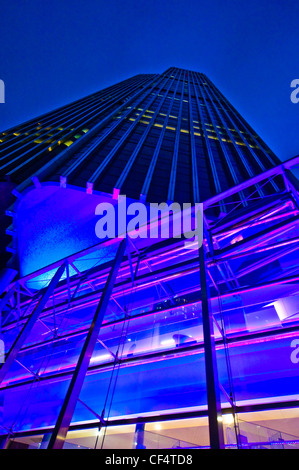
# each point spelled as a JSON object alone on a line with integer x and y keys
{"x": 72, "y": 395}
{"x": 11, "y": 356}
{"x": 212, "y": 381}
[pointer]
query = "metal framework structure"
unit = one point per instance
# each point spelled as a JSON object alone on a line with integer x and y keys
{"x": 175, "y": 131}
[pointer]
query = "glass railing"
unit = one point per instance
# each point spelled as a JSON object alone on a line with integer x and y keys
{"x": 256, "y": 436}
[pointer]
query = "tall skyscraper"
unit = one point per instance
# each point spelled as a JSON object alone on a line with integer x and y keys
{"x": 139, "y": 342}
{"x": 166, "y": 137}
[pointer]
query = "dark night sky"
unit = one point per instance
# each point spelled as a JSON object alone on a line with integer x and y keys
{"x": 56, "y": 51}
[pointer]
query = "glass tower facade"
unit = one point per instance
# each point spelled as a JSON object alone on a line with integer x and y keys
{"x": 114, "y": 345}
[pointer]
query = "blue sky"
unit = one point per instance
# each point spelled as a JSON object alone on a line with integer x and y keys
{"x": 54, "y": 52}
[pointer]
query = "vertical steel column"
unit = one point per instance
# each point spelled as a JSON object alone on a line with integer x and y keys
{"x": 213, "y": 391}
{"x": 15, "y": 348}
{"x": 72, "y": 395}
